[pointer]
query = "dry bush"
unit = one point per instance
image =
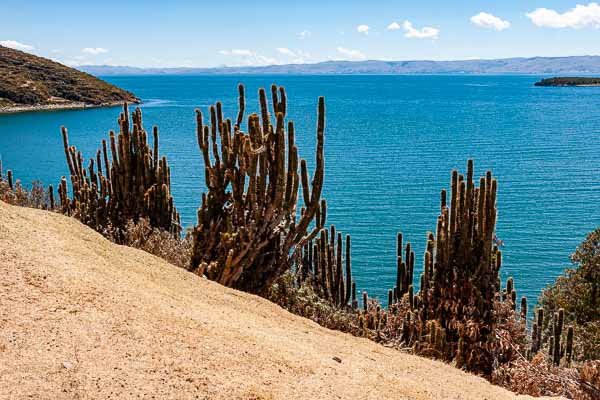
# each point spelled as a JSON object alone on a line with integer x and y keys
{"x": 163, "y": 244}
{"x": 19, "y": 195}
{"x": 511, "y": 337}
{"x": 304, "y": 301}
{"x": 539, "y": 377}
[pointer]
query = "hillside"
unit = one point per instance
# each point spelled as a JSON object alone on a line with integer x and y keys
{"x": 519, "y": 65}
{"x": 81, "y": 317}
{"x": 30, "y": 82}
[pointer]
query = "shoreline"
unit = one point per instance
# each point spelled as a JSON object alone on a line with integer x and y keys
{"x": 59, "y": 107}
{"x": 582, "y": 85}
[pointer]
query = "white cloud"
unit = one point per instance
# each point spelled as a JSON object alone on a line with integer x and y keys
{"x": 363, "y": 29}
{"x": 351, "y": 54}
{"x": 248, "y": 58}
{"x": 486, "y": 20}
{"x": 294, "y": 56}
{"x": 13, "y": 44}
{"x": 427, "y": 32}
{"x": 94, "y": 50}
{"x": 77, "y": 61}
{"x": 304, "y": 34}
{"x": 285, "y": 51}
{"x": 394, "y": 26}
{"x": 237, "y": 52}
{"x": 581, "y": 16}
{"x": 242, "y": 52}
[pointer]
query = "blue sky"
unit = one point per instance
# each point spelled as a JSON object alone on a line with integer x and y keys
{"x": 212, "y": 33}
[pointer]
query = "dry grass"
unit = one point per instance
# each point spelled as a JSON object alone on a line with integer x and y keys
{"x": 512, "y": 369}
{"x": 81, "y": 317}
{"x": 539, "y": 377}
{"x": 34, "y": 197}
{"x": 163, "y": 244}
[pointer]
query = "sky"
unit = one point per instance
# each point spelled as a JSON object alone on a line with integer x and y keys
{"x": 212, "y": 33}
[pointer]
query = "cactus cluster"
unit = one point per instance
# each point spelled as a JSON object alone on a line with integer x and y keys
{"x": 549, "y": 333}
{"x": 323, "y": 263}
{"x": 133, "y": 183}
{"x": 454, "y": 306}
{"x": 248, "y": 230}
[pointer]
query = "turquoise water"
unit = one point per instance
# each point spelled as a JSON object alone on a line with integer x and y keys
{"x": 391, "y": 142}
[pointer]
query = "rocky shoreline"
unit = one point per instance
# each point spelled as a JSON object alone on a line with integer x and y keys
{"x": 57, "y": 107}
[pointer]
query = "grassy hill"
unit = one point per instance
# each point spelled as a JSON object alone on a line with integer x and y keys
{"x": 81, "y": 317}
{"x": 30, "y": 81}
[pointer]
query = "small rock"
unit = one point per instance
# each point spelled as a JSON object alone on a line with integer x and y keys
{"x": 337, "y": 359}
{"x": 67, "y": 365}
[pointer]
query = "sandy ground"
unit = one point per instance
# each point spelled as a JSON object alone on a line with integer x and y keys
{"x": 82, "y": 318}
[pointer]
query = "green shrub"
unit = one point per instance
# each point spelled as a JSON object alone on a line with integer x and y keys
{"x": 578, "y": 293}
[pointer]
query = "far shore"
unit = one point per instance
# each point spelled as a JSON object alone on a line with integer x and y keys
{"x": 57, "y": 107}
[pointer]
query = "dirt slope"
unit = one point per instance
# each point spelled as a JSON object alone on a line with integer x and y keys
{"x": 81, "y": 318}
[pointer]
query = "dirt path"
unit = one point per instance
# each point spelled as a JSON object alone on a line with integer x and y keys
{"x": 81, "y": 318}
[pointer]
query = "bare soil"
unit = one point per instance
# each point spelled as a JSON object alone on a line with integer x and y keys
{"x": 82, "y": 318}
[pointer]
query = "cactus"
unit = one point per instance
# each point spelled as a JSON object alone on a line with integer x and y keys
{"x": 540, "y": 323}
{"x": 569, "y": 345}
{"x": 523, "y": 308}
{"x": 513, "y": 300}
{"x": 559, "y": 319}
{"x": 534, "y": 338}
{"x": 324, "y": 267}
{"x": 9, "y": 178}
{"x": 509, "y": 287}
{"x": 134, "y": 184}
{"x": 51, "y": 197}
{"x": 248, "y": 230}
{"x": 461, "y": 271}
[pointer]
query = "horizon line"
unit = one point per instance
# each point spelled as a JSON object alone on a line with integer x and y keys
{"x": 334, "y": 61}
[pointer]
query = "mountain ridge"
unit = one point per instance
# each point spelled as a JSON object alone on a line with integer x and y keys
{"x": 515, "y": 65}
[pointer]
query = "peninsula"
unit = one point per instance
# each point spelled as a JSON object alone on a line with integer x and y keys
{"x": 31, "y": 83}
{"x": 569, "y": 81}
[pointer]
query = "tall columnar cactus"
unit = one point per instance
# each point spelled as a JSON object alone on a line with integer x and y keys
{"x": 133, "y": 183}
{"x": 460, "y": 276}
{"x": 9, "y": 178}
{"x": 537, "y": 341}
{"x": 248, "y": 231}
{"x": 569, "y": 349}
{"x": 524, "y": 308}
{"x": 559, "y": 318}
{"x": 321, "y": 264}
{"x": 558, "y": 348}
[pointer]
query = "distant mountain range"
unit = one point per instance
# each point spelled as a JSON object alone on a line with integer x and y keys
{"x": 535, "y": 65}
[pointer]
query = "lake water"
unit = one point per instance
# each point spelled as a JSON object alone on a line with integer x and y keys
{"x": 391, "y": 143}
